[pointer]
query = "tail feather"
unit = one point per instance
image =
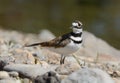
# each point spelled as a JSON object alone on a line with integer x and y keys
{"x": 35, "y": 44}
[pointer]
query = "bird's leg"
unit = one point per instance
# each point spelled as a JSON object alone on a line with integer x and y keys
{"x": 62, "y": 59}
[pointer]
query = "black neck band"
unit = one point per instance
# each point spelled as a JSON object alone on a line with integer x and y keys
{"x": 77, "y": 42}
{"x": 76, "y": 34}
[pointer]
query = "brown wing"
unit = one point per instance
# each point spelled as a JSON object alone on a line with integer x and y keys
{"x": 57, "y": 42}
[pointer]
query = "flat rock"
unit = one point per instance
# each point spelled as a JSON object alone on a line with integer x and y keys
{"x": 29, "y": 71}
{"x": 88, "y": 75}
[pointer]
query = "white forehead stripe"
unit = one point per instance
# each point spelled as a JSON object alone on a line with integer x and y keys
{"x": 74, "y": 24}
{"x": 80, "y": 23}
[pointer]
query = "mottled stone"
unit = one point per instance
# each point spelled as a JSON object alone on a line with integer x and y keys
{"x": 67, "y": 68}
{"x": 13, "y": 74}
{"x": 23, "y": 56}
{"x": 88, "y": 75}
{"x": 29, "y": 71}
{"x": 5, "y": 60}
{"x": 10, "y": 80}
{"x": 49, "y": 77}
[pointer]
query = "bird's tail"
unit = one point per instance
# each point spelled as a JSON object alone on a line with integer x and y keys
{"x": 35, "y": 44}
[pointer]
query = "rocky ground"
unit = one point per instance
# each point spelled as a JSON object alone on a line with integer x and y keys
{"x": 95, "y": 62}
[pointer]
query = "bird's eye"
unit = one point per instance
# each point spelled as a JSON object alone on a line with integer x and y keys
{"x": 79, "y": 24}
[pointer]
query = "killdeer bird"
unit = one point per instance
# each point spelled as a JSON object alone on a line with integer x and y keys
{"x": 65, "y": 44}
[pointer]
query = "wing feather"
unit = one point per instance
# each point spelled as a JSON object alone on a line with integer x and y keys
{"x": 60, "y": 41}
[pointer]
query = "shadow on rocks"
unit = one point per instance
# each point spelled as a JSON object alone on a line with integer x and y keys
{"x": 49, "y": 77}
{"x": 2, "y": 64}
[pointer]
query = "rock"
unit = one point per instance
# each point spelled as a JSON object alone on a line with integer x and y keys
{"x": 93, "y": 47}
{"x": 23, "y": 56}
{"x": 49, "y": 77}
{"x": 67, "y": 68}
{"x": 29, "y": 71}
{"x": 4, "y": 74}
{"x": 5, "y": 60}
{"x": 46, "y": 35}
{"x": 17, "y": 56}
{"x": 88, "y": 75}
{"x": 95, "y": 53}
{"x": 51, "y": 57}
{"x": 13, "y": 74}
{"x": 117, "y": 80}
{"x": 2, "y": 64}
{"x": 25, "y": 80}
{"x": 10, "y": 80}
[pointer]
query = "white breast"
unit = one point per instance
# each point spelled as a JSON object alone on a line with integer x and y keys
{"x": 69, "y": 49}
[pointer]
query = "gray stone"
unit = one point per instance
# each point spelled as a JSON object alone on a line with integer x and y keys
{"x": 10, "y": 80}
{"x": 5, "y": 60}
{"x": 49, "y": 77}
{"x": 93, "y": 46}
{"x": 22, "y": 56}
{"x": 13, "y": 74}
{"x": 67, "y": 69}
{"x": 88, "y": 75}
{"x": 29, "y": 71}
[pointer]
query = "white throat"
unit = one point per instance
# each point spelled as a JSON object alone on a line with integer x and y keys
{"x": 76, "y": 30}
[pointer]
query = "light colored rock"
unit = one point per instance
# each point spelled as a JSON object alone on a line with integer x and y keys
{"x": 87, "y": 75}
{"x": 29, "y": 71}
{"x": 18, "y": 55}
{"x": 10, "y": 80}
{"x": 93, "y": 46}
{"x": 68, "y": 68}
{"x": 51, "y": 57}
{"x": 46, "y": 35}
{"x": 23, "y": 56}
{"x": 4, "y": 74}
{"x": 117, "y": 80}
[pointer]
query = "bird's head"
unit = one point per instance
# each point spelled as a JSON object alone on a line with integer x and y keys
{"x": 77, "y": 26}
